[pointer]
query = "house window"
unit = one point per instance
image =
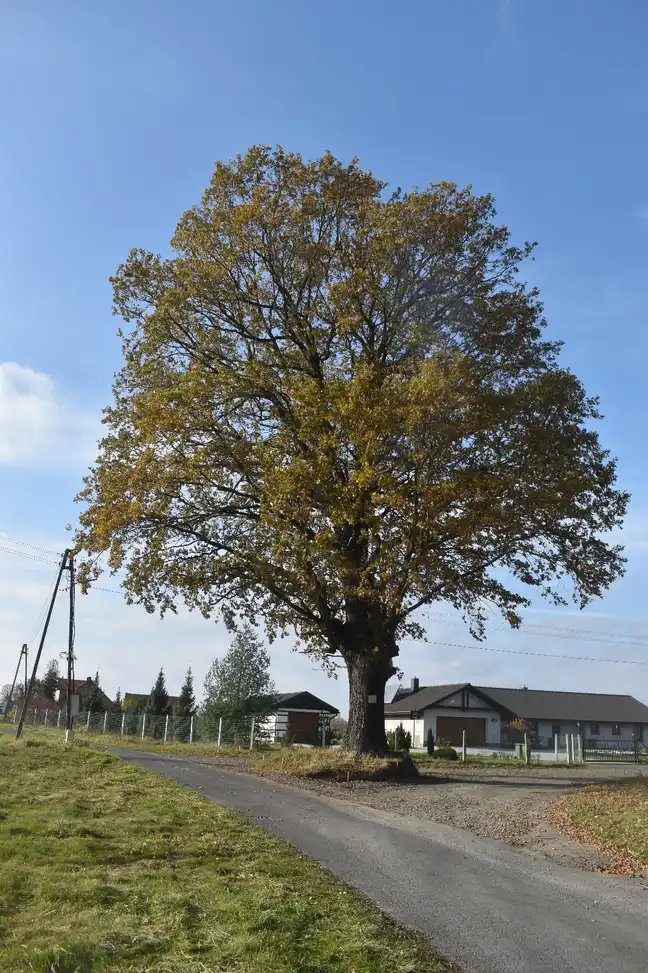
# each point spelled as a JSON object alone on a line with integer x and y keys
{"x": 616, "y": 730}
{"x": 555, "y": 730}
{"x": 594, "y": 729}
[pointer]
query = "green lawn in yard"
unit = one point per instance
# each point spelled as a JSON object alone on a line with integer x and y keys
{"x": 613, "y": 815}
{"x": 107, "y": 867}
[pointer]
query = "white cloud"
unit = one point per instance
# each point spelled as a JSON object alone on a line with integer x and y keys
{"x": 38, "y": 427}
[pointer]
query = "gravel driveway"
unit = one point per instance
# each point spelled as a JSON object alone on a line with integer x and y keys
{"x": 502, "y": 803}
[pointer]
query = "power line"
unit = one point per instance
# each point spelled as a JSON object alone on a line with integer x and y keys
{"x": 33, "y": 557}
{"x": 35, "y": 547}
{"x": 580, "y": 635}
{"x": 544, "y": 655}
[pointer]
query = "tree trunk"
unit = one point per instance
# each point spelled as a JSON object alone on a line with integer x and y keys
{"x": 368, "y": 675}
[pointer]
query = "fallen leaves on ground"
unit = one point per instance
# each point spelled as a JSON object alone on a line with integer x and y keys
{"x": 613, "y": 818}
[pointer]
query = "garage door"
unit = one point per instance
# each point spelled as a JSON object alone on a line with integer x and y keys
{"x": 451, "y": 728}
{"x": 303, "y": 726}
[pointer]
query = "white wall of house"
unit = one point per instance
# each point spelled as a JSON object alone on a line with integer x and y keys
{"x": 606, "y": 731}
{"x": 415, "y": 727}
{"x": 419, "y": 728}
{"x": 496, "y": 727}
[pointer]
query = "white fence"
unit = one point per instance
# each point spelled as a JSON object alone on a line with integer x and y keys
{"x": 246, "y": 732}
{"x": 249, "y": 731}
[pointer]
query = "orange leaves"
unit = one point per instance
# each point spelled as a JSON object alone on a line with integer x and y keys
{"x": 613, "y": 817}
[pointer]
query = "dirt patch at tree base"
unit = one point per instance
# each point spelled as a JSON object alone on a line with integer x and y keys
{"x": 401, "y": 769}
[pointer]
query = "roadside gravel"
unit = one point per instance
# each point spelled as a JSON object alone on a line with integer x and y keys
{"x": 505, "y": 803}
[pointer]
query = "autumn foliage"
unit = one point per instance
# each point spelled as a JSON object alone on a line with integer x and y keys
{"x": 337, "y": 407}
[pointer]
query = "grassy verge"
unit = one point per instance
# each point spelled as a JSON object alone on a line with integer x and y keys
{"x": 613, "y": 817}
{"x": 106, "y": 867}
{"x": 292, "y": 761}
{"x": 295, "y": 761}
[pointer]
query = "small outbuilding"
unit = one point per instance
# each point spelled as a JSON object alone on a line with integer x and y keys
{"x": 302, "y": 715}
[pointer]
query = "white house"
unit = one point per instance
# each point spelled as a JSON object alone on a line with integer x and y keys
{"x": 485, "y": 713}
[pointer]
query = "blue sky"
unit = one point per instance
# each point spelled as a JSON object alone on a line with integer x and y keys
{"x": 113, "y": 116}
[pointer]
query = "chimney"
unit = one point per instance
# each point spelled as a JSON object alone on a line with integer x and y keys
{"x": 415, "y": 685}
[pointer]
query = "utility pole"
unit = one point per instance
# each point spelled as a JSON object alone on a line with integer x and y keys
{"x": 69, "y": 730}
{"x": 23, "y": 652}
{"x": 29, "y": 688}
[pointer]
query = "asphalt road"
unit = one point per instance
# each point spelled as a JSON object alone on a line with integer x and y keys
{"x": 487, "y": 907}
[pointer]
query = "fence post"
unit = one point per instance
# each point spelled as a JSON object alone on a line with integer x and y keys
{"x": 143, "y": 724}
{"x": 526, "y": 749}
{"x": 166, "y": 727}
{"x": 463, "y": 745}
{"x": 88, "y": 721}
{"x": 123, "y": 721}
{"x": 252, "y": 735}
{"x": 323, "y": 733}
{"x": 556, "y": 746}
{"x": 220, "y": 731}
{"x": 58, "y": 718}
{"x": 46, "y": 712}
{"x": 105, "y": 721}
{"x": 191, "y": 728}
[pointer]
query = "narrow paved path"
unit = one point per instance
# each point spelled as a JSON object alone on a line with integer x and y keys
{"x": 488, "y": 907}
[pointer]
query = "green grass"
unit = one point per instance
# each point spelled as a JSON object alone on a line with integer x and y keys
{"x": 613, "y": 816}
{"x": 292, "y": 761}
{"x": 106, "y": 867}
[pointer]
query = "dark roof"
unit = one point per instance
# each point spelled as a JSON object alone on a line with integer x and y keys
{"x": 423, "y": 697}
{"x": 138, "y": 697}
{"x": 544, "y": 704}
{"x": 303, "y": 700}
{"x": 531, "y": 704}
{"x": 80, "y": 687}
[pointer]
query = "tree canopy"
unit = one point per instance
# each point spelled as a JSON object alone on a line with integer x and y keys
{"x": 50, "y": 682}
{"x": 239, "y": 684}
{"x": 158, "y": 701}
{"x": 337, "y": 407}
{"x": 186, "y": 706}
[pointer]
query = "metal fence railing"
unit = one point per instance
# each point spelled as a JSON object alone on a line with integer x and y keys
{"x": 246, "y": 732}
{"x": 616, "y": 750}
{"x": 249, "y": 731}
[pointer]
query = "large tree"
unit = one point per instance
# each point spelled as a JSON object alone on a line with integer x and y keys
{"x": 337, "y": 407}
{"x": 239, "y": 684}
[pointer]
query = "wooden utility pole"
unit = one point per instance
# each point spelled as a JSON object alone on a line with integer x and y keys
{"x": 23, "y": 652}
{"x": 30, "y": 687}
{"x": 69, "y": 730}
